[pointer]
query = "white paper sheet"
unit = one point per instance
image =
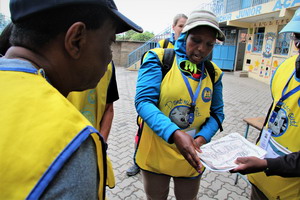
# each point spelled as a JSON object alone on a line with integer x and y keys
{"x": 219, "y": 155}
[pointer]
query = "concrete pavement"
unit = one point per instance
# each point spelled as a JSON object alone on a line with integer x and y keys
{"x": 243, "y": 97}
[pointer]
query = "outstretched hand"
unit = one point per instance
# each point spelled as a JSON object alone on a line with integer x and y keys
{"x": 187, "y": 147}
{"x": 249, "y": 165}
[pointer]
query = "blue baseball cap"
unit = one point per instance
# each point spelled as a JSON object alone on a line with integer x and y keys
{"x": 21, "y": 9}
{"x": 294, "y": 25}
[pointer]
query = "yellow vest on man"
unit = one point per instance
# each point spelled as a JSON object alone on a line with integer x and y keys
{"x": 91, "y": 103}
{"x": 40, "y": 130}
{"x": 153, "y": 153}
{"x": 287, "y": 136}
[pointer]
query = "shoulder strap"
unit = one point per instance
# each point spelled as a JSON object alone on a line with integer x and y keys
{"x": 211, "y": 70}
{"x": 167, "y": 60}
{"x": 217, "y": 120}
{"x": 142, "y": 58}
{"x": 166, "y": 42}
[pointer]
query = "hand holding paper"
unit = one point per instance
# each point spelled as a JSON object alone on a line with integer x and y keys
{"x": 247, "y": 165}
{"x": 220, "y": 155}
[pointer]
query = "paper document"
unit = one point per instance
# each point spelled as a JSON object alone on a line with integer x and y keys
{"x": 219, "y": 155}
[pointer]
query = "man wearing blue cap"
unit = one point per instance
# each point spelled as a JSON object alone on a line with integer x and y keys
{"x": 280, "y": 138}
{"x": 48, "y": 149}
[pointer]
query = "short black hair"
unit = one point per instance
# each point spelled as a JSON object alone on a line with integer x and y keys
{"x": 4, "y": 39}
{"x": 39, "y": 29}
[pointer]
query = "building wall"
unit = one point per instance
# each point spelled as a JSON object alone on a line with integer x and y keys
{"x": 262, "y": 65}
{"x": 121, "y": 50}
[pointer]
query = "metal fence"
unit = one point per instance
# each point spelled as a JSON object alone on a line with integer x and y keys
{"x": 219, "y": 7}
{"x": 136, "y": 55}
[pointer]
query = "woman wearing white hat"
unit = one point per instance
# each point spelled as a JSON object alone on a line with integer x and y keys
{"x": 177, "y": 109}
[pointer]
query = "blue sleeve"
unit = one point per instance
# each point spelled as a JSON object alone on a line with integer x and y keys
{"x": 211, "y": 126}
{"x": 147, "y": 96}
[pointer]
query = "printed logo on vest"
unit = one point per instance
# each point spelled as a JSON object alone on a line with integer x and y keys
{"x": 92, "y": 96}
{"x": 279, "y": 124}
{"x": 180, "y": 115}
{"x": 89, "y": 115}
{"x": 206, "y": 94}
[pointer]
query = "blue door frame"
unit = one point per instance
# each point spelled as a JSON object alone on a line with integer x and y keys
{"x": 224, "y": 56}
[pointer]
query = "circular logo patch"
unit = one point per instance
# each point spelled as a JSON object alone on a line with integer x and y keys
{"x": 180, "y": 116}
{"x": 206, "y": 94}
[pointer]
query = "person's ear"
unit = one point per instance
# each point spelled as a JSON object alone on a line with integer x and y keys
{"x": 75, "y": 39}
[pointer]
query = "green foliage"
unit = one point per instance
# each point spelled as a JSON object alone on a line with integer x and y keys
{"x": 134, "y": 36}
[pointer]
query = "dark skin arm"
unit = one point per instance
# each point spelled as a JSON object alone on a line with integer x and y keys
{"x": 106, "y": 121}
{"x": 249, "y": 165}
{"x": 188, "y": 147}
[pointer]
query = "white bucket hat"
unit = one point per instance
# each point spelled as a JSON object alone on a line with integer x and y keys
{"x": 203, "y": 18}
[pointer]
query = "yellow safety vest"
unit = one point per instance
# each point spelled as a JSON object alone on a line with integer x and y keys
{"x": 161, "y": 44}
{"x": 153, "y": 153}
{"x": 91, "y": 103}
{"x": 276, "y": 187}
{"x": 40, "y": 130}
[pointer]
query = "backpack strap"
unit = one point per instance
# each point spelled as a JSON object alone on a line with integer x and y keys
{"x": 166, "y": 43}
{"x": 217, "y": 120}
{"x": 211, "y": 71}
{"x": 142, "y": 58}
{"x": 167, "y": 60}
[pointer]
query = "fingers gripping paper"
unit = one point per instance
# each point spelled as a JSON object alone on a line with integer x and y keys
{"x": 219, "y": 155}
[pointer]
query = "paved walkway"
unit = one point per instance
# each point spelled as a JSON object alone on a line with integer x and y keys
{"x": 243, "y": 97}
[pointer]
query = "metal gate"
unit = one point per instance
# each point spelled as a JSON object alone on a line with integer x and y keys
{"x": 224, "y": 56}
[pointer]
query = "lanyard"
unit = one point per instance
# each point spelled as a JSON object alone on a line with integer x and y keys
{"x": 283, "y": 97}
{"x": 287, "y": 95}
{"x": 193, "y": 96}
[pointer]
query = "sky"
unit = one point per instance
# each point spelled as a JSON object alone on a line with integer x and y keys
{"x": 152, "y": 15}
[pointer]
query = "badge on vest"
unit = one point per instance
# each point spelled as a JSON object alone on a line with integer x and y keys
{"x": 206, "y": 94}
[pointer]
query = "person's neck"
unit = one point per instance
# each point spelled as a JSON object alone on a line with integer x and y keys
{"x": 38, "y": 61}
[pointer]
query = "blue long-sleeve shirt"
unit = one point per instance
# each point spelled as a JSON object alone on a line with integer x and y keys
{"x": 148, "y": 92}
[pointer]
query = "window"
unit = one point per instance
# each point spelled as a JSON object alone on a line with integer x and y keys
{"x": 230, "y": 37}
{"x": 283, "y": 41}
{"x": 258, "y": 40}
{"x": 233, "y": 5}
{"x": 246, "y": 4}
{"x": 258, "y": 2}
